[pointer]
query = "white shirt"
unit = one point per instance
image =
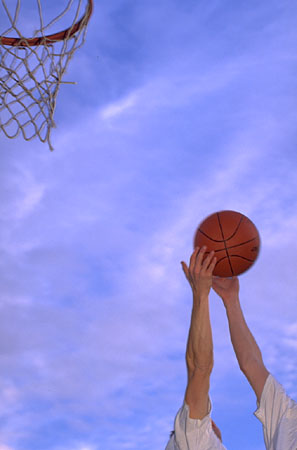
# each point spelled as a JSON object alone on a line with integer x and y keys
{"x": 193, "y": 434}
{"x": 278, "y": 414}
{"x": 276, "y": 411}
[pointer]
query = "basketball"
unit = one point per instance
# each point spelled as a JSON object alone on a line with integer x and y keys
{"x": 234, "y": 239}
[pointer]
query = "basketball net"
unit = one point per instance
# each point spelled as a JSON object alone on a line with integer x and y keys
{"x": 31, "y": 70}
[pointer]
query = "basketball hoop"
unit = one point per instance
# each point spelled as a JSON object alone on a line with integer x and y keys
{"x": 31, "y": 69}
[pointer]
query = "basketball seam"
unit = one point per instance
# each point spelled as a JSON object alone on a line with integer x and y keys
{"x": 236, "y": 229}
{"x": 236, "y": 256}
{"x": 242, "y": 243}
{"x": 222, "y": 240}
{"x": 208, "y": 237}
{"x": 226, "y": 250}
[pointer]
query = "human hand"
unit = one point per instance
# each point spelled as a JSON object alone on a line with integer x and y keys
{"x": 199, "y": 273}
{"x": 226, "y": 288}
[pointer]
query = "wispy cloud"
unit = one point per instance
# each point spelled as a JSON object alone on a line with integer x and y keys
{"x": 117, "y": 108}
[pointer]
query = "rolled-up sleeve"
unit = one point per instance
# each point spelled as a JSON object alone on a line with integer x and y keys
{"x": 278, "y": 414}
{"x": 194, "y": 434}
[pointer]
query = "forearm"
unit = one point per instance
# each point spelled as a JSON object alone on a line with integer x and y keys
{"x": 243, "y": 342}
{"x": 200, "y": 345}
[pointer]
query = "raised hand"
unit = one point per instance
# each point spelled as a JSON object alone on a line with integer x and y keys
{"x": 226, "y": 288}
{"x": 199, "y": 272}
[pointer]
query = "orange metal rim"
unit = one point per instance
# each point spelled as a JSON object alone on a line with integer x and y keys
{"x": 52, "y": 38}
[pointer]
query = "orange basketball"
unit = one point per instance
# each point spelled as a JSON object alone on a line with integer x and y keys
{"x": 233, "y": 237}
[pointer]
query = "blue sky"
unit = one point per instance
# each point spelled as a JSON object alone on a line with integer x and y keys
{"x": 181, "y": 109}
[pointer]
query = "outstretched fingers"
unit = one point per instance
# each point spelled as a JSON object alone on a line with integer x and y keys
{"x": 212, "y": 264}
{"x": 199, "y": 265}
{"x": 209, "y": 263}
{"x": 194, "y": 258}
{"x": 189, "y": 271}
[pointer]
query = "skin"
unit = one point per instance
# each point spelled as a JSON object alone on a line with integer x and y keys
{"x": 227, "y": 289}
{"x": 200, "y": 348}
{"x": 216, "y": 430}
{"x": 200, "y": 278}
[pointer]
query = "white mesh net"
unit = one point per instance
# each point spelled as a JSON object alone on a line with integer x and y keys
{"x": 30, "y": 75}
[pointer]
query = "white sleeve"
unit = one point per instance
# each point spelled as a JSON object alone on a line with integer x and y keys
{"x": 193, "y": 434}
{"x": 278, "y": 414}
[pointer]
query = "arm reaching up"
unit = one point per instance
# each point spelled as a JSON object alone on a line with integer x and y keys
{"x": 243, "y": 342}
{"x": 248, "y": 354}
{"x": 199, "y": 353}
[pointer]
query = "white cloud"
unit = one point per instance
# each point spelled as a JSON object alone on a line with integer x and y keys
{"x": 25, "y": 192}
{"x": 86, "y": 447}
{"x": 119, "y": 107}
{"x": 175, "y": 90}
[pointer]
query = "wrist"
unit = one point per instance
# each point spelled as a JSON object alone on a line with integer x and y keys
{"x": 232, "y": 302}
{"x": 198, "y": 297}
